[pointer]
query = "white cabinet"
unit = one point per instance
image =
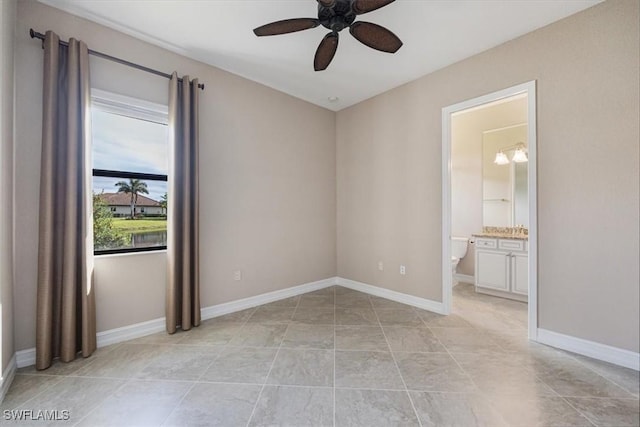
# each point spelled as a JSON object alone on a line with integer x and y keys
{"x": 520, "y": 273}
{"x": 502, "y": 268}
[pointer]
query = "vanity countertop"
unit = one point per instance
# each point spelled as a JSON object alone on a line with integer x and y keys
{"x": 496, "y": 235}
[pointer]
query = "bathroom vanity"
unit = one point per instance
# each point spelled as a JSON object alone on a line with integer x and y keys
{"x": 502, "y": 265}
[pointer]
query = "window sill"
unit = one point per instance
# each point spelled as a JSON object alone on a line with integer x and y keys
{"x": 125, "y": 252}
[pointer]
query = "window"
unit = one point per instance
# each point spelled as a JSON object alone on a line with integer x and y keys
{"x": 130, "y": 161}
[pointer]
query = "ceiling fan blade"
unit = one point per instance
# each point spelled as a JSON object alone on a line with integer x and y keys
{"x": 327, "y": 3}
{"x": 365, "y": 6}
{"x": 326, "y": 51}
{"x": 286, "y": 26}
{"x": 375, "y": 36}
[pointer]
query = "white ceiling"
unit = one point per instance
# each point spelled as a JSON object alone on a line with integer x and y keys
{"x": 435, "y": 33}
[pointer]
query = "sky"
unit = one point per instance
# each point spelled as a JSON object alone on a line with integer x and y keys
{"x": 132, "y": 145}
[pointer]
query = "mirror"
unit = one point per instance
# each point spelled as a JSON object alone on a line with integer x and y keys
{"x": 505, "y": 201}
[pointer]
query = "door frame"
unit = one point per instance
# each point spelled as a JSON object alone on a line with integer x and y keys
{"x": 530, "y": 89}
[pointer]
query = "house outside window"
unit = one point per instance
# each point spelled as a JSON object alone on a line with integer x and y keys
{"x": 130, "y": 161}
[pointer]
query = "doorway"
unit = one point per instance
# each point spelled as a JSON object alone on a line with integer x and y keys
{"x": 526, "y": 90}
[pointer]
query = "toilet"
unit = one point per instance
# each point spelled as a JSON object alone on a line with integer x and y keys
{"x": 458, "y": 251}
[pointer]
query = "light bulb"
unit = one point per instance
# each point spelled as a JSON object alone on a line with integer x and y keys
{"x": 501, "y": 159}
{"x": 520, "y": 156}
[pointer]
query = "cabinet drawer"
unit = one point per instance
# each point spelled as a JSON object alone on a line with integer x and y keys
{"x": 487, "y": 243}
{"x": 513, "y": 245}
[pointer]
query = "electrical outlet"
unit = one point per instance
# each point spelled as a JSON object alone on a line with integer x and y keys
{"x": 380, "y": 266}
{"x": 237, "y": 275}
{"x": 403, "y": 270}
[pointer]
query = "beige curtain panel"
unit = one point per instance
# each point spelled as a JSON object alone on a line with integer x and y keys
{"x": 66, "y": 321}
{"x": 183, "y": 288}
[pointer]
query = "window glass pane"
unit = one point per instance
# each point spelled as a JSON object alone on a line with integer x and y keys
{"x": 129, "y": 213}
{"x": 124, "y": 143}
{"x": 114, "y": 227}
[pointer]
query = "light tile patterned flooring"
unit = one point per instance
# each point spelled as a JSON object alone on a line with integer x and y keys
{"x": 338, "y": 357}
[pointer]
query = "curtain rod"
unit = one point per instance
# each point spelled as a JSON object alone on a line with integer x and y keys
{"x": 37, "y": 35}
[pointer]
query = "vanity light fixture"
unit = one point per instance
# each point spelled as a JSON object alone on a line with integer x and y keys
{"x": 501, "y": 159}
{"x": 519, "y": 156}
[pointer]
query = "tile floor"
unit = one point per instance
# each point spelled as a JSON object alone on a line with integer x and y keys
{"x": 338, "y": 357}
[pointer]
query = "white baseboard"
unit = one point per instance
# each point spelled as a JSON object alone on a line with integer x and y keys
{"x": 7, "y": 378}
{"x": 426, "y": 304}
{"x": 25, "y": 357}
{"x": 129, "y": 332}
{"x": 113, "y": 336}
{"x": 464, "y": 278}
{"x": 243, "y": 304}
{"x": 606, "y": 353}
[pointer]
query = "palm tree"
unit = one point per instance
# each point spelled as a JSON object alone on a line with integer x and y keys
{"x": 133, "y": 187}
{"x": 163, "y": 203}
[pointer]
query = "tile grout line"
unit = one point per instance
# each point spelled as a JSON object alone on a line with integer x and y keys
{"x": 468, "y": 375}
{"x": 166, "y": 420}
{"x": 101, "y": 402}
{"x": 504, "y": 350}
{"x": 601, "y": 375}
{"x": 225, "y": 346}
{"x": 266, "y": 379}
{"x": 395, "y": 362}
{"x": 61, "y": 377}
{"x": 578, "y": 411}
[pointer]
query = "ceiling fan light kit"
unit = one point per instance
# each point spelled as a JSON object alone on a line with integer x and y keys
{"x": 337, "y": 15}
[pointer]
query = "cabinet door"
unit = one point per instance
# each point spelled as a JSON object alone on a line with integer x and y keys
{"x": 520, "y": 274}
{"x": 492, "y": 270}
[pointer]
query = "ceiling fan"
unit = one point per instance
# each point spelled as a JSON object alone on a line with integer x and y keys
{"x": 337, "y": 15}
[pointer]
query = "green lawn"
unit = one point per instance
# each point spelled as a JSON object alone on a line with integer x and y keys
{"x": 140, "y": 225}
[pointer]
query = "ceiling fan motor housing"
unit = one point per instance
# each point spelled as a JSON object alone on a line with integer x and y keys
{"x": 338, "y": 16}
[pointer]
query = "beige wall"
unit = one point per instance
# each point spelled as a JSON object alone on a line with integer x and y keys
{"x": 267, "y": 174}
{"x": 466, "y": 166}
{"x": 389, "y": 172}
{"x": 270, "y": 169}
{"x": 7, "y": 22}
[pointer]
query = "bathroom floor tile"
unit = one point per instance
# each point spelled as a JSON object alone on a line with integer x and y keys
{"x": 216, "y": 334}
{"x": 302, "y": 367}
{"x": 399, "y": 317}
{"x": 241, "y": 365}
{"x": 367, "y": 369}
{"x": 259, "y": 335}
{"x": 276, "y": 314}
{"x": 460, "y": 340}
{"x": 608, "y": 412}
{"x": 374, "y": 408}
{"x": 410, "y": 339}
{"x": 441, "y": 321}
{"x": 353, "y": 300}
{"x": 309, "y": 336}
{"x": 125, "y": 361}
{"x": 186, "y": 363}
{"x": 570, "y": 378}
{"x": 215, "y": 405}
{"x": 360, "y": 338}
{"x": 356, "y": 316}
{"x": 26, "y": 387}
{"x": 315, "y": 316}
{"x": 433, "y": 372}
{"x": 541, "y": 411}
{"x": 384, "y": 303}
{"x": 138, "y": 403}
{"x": 455, "y": 409}
{"x": 294, "y": 406}
{"x": 77, "y": 395}
{"x": 316, "y": 301}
